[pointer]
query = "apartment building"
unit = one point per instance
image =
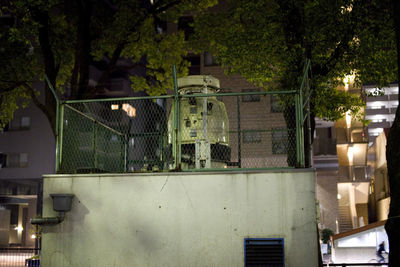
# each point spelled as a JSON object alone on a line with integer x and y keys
{"x": 27, "y": 151}
{"x": 381, "y": 110}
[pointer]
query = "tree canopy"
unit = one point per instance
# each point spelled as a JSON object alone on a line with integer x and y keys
{"x": 61, "y": 39}
{"x": 267, "y": 42}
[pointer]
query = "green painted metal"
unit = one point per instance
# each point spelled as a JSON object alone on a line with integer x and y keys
{"x": 239, "y": 133}
{"x": 176, "y": 136}
{"x": 298, "y": 136}
{"x": 173, "y": 96}
{"x": 123, "y": 147}
{"x": 95, "y": 160}
{"x": 92, "y": 119}
{"x": 61, "y": 133}
{"x": 118, "y": 99}
{"x": 57, "y": 123}
{"x": 238, "y": 94}
{"x": 301, "y": 126}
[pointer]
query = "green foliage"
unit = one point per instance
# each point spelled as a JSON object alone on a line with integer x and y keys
{"x": 326, "y": 235}
{"x": 267, "y": 42}
{"x": 60, "y": 38}
{"x": 10, "y": 102}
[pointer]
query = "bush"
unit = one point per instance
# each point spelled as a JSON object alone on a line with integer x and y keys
{"x": 326, "y": 235}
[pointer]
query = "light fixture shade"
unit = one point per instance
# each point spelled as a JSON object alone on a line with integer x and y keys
{"x": 62, "y": 202}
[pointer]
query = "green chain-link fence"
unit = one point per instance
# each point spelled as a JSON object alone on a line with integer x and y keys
{"x": 195, "y": 129}
{"x": 217, "y": 131}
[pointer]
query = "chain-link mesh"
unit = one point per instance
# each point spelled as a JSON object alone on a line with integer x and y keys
{"x": 142, "y": 134}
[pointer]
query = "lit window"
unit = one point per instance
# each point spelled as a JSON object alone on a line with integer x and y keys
{"x": 130, "y": 111}
{"x": 114, "y": 107}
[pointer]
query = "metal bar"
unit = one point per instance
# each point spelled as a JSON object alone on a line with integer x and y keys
{"x": 302, "y": 160}
{"x": 126, "y": 145}
{"x": 297, "y": 129}
{"x": 176, "y": 136}
{"x": 308, "y": 122}
{"x": 305, "y": 74}
{"x": 263, "y": 131}
{"x": 61, "y": 134}
{"x": 238, "y": 94}
{"x": 90, "y": 118}
{"x": 95, "y": 163}
{"x": 117, "y": 99}
{"x": 239, "y": 134}
{"x": 57, "y": 123}
{"x": 172, "y": 96}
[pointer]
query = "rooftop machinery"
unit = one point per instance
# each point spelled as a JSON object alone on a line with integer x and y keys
{"x": 203, "y": 124}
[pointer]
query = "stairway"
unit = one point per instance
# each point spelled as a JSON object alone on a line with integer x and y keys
{"x": 345, "y": 222}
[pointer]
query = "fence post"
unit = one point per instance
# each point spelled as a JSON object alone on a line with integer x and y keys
{"x": 58, "y": 153}
{"x": 176, "y": 135}
{"x": 239, "y": 134}
{"x": 95, "y": 163}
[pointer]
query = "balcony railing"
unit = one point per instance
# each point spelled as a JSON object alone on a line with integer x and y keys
{"x": 354, "y": 173}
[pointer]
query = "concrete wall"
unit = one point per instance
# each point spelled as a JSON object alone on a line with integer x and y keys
{"x": 383, "y": 209}
{"x": 38, "y": 142}
{"x": 179, "y": 219}
{"x": 354, "y": 255}
{"x": 4, "y": 227}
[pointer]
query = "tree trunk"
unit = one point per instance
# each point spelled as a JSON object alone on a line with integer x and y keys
{"x": 393, "y": 163}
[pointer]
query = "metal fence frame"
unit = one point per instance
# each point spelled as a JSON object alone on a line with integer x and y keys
{"x": 302, "y": 111}
{"x": 16, "y": 257}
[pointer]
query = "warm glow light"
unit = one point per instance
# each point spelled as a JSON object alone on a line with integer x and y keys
{"x": 33, "y": 236}
{"x": 19, "y": 228}
{"x": 114, "y": 106}
{"x": 130, "y": 111}
{"x": 348, "y": 119}
{"x": 349, "y": 79}
{"x": 350, "y": 152}
{"x": 339, "y": 196}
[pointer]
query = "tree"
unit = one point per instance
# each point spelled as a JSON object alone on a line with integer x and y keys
{"x": 61, "y": 39}
{"x": 393, "y": 160}
{"x": 268, "y": 41}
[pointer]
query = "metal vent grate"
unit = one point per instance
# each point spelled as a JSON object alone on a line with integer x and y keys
{"x": 264, "y": 252}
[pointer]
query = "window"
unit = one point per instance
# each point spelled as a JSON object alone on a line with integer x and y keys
{"x": 3, "y": 160}
{"x": 194, "y": 68}
{"x": 209, "y": 60}
{"x": 251, "y": 136}
{"x": 279, "y": 141}
{"x": 186, "y": 24}
{"x": 250, "y": 98}
{"x": 276, "y": 106}
{"x": 264, "y": 252}
{"x": 21, "y": 123}
{"x": 14, "y": 160}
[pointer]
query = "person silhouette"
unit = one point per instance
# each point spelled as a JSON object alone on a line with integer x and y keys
{"x": 381, "y": 249}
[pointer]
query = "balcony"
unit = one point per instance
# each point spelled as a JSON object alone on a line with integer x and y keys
{"x": 354, "y": 174}
{"x": 351, "y": 135}
{"x": 382, "y": 110}
{"x": 382, "y": 124}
